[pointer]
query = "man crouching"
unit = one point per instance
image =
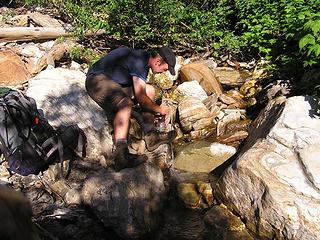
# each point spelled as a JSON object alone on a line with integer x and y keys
{"x": 116, "y": 81}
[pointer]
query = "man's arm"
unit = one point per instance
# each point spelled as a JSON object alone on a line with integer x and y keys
{"x": 139, "y": 87}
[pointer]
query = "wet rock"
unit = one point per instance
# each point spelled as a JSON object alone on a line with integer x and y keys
{"x": 201, "y": 157}
{"x": 222, "y": 150}
{"x": 202, "y": 74}
{"x": 200, "y": 134}
{"x": 224, "y": 225}
{"x": 273, "y": 184}
{"x": 187, "y": 192}
{"x": 204, "y": 188}
{"x": 238, "y": 126}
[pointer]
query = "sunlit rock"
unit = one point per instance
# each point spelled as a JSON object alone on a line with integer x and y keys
{"x": 229, "y": 76}
{"x": 203, "y": 75}
{"x": 190, "y": 89}
{"x": 12, "y": 68}
{"x": 194, "y": 115}
{"x": 273, "y": 185}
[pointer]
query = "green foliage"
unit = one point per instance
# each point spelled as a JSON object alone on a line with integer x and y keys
{"x": 310, "y": 43}
{"x": 284, "y": 32}
{"x": 82, "y": 54}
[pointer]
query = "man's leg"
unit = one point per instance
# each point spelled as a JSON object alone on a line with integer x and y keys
{"x": 147, "y": 116}
{"x": 122, "y": 119}
{"x": 112, "y": 98}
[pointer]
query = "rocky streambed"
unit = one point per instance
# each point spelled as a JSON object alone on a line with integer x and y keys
{"x": 243, "y": 166}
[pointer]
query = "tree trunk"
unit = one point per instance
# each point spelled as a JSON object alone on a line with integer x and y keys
{"x": 37, "y": 33}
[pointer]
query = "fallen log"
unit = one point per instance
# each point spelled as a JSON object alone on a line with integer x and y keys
{"x": 8, "y": 34}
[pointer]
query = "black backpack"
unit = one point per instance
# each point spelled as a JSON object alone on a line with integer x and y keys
{"x": 28, "y": 142}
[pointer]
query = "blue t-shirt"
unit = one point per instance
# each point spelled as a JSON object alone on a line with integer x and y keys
{"x": 122, "y": 64}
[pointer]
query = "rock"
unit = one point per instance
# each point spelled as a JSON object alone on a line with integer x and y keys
{"x": 44, "y": 20}
{"x": 190, "y": 89}
{"x": 212, "y": 105}
{"x": 227, "y": 119}
{"x": 233, "y": 136}
{"x": 227, "y": 99}
{"x": 242, "y": 125}
{"x": 228, "y": 76}
{"x": 73, "y": 196}
{"x": 224, "y": 225}
{"x": 129, "y": 201}
{"x": 222, "y": 150}
{"x": 193, "y": 115}
{"x": 200, "y": 134}
{"x": 61, "y": 94}
{"x": 202, "y": 74}
{"x": 202, "y": 156}
{"x": 250, "y": 88}
{"x": 204, "y": 188}
{"x": 188, "y": 194}
{"x": 162, "y": 156}
{"x": 13, "y": 70}
{"x": 210, "y": 63}
{"x": 273, "y": 184}
{"x": 19, "y": 21}
{"x": 16, "y": 213}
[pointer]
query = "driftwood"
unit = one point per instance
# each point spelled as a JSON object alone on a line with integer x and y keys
{"x": 37, "y": 33}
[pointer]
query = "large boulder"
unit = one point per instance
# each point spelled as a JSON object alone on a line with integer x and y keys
{"x": 274, "y": 183}
{"x": 61, "y": 94}
{"x": 129, "y": 201}
{"x": 202, "y": 74}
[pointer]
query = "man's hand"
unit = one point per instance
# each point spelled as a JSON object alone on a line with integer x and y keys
{"x": 164, "y": 110}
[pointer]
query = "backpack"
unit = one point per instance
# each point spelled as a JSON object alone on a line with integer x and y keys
{"x": 28, "y": 142}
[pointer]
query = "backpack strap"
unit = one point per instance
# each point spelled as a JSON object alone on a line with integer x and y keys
{"x": 82, "y": 142}
{"x": 56, "y": 145}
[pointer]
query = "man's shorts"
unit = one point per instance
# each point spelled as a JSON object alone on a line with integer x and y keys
{"x": 106, "y": 92}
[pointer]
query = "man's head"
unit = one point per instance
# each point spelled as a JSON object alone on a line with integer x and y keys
{"x": 162, "y": 59}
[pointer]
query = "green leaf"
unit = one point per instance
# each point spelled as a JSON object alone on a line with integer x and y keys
{"x": 317, "y": 50}
{"x": 316, "y": 26}
{"x": 307, "y": 39}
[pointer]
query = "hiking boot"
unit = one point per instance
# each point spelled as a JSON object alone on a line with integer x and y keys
{"x": 155, "y": 138}
{"x": 125, "y": 159}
